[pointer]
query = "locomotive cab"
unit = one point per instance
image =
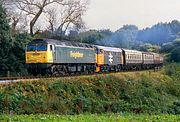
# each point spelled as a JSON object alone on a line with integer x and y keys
{"x": 39, "y": 51}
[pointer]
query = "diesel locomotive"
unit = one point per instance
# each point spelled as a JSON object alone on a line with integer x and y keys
{"x": 53, "y": 57}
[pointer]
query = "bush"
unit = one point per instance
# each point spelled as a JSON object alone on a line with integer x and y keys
{"x": 175, "y": 55}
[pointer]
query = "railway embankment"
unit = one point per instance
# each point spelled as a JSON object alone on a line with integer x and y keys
{"x": 138, "y": 92}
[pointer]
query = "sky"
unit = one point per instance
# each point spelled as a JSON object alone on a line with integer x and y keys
{"x": 113, "y": 14}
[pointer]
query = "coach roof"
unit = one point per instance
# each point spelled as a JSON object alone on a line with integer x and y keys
{"x": 131, "y": 51}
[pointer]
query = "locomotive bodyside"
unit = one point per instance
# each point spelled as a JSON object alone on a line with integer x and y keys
{"x": 74, "y": 55}
{"x": 109, "y": 58}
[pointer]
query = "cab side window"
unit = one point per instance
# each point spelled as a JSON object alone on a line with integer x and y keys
{"x": 51, "y": 48}
{"x": 100, "y": 51}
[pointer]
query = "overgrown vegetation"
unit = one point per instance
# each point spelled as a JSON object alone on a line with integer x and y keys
{"x": 140, "y": 92}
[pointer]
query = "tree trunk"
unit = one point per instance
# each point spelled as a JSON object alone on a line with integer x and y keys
{"x": 13, "y": 27}
{"x": 33, "y": 21}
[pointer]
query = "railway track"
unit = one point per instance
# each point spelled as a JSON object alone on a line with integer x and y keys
{"x": 8, "y": 80}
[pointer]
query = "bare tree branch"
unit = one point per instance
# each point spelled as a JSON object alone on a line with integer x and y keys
{"x": 60, "y": 14}
{"x": 34, "y": 8}
{"x": 52, "y": 18}
{"x": 72, "y": 15}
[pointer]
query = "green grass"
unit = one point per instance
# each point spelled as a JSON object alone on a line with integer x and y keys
{"x": 91, "y": 118}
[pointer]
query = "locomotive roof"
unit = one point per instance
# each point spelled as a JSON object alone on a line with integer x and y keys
{"x": 62, "y": 43}
{"x": 109, "y": 48}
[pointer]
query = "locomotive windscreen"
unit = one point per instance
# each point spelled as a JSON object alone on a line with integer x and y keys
{"x": 37, "y": 47}
{"x": 41, "y": 47}
{"x": 31, "y": 47}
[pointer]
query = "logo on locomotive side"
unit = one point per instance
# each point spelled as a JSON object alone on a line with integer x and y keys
{"x": 110, "y": 58}
{"x": 77, "y": 54}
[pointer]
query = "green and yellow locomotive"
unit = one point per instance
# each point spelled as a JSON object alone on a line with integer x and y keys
{"x": 47, "y": 56}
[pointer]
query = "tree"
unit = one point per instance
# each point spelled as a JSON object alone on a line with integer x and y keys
{"x": 125, "y": 37}
{"x": 160, "y": 33}
{"x": 5, "y": 42}
{"x": 72, "y": 15}
{"x": 52, "y": 19}
{"x": 147, "y": 47}
{"x": 34, "y": 8}
{"x": 70, "y": 11}
{"x": 168, "y": 47}
{"x": 12, "y": 49}
{"x": 93, "y": 36}
{"x": 17, "y": 21}
{"x": 175, "y": 54}
{"x": 20, "y": 42}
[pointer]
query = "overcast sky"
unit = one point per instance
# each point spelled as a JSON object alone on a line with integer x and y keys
{"x": 113, "y": 14}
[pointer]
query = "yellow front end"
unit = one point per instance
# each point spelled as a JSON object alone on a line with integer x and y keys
{"x": 39, "y": 57}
